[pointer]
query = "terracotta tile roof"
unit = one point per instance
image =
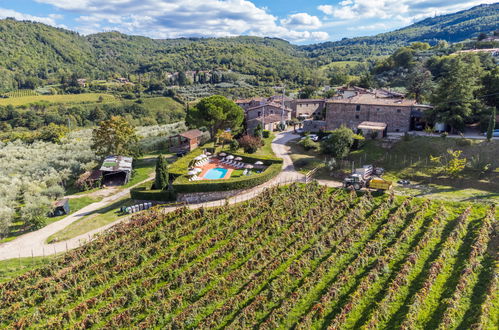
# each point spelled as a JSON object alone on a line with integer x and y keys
{"x": 268, "y": 119}
{"x": 309, "y": 100}
{"x": 274, "y": 105}
{"x": 191, "y": 134}
{"x": 370, "y": 99}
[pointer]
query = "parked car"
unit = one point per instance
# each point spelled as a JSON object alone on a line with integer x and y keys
{"x": 312, "y": 137}
{"x": 495, "y": 133}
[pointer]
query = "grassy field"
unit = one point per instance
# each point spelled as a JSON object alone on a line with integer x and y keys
{"x": 75, "y": 204}
{"x": 69, "y": 98}
{"x": 328, "y": 258}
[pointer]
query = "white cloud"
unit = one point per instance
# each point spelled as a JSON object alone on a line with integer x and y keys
{"x": 405, "y": 11}
{"x": 302, "y": 21}
{"x": 375, "y": 26}
{"x": 4, "y": 13}
{"x": 184, "y": 18}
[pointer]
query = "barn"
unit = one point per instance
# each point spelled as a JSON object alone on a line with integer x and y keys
{"x": 116, "y": 170}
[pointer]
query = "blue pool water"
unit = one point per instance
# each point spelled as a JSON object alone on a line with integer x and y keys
{"x": 215, "y": 173}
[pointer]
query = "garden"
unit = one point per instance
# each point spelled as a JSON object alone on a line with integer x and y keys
{"x": 331, "y": 258}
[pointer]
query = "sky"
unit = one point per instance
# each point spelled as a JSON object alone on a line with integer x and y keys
{"x": 298, "y": 21}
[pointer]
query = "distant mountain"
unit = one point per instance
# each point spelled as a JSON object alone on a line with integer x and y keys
{"x": 452, "y": 28}
{"x": 34, "y": 51}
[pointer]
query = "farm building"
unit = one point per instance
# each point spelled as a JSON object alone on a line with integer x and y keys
{"x": 399, "y": 114}
{"x": 61, "y": 207}
{"x": 186, "y": 141}
{"x": 116, "y": 170}
{"x": 371, "y": 128}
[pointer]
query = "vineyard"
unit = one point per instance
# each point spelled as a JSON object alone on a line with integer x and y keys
{"x": 21, "y": 93}
{"x": 328, "y": 259}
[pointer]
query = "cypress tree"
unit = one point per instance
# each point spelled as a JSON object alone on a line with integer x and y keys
{"x": 492, "y": 124}
{"x": 161, "y": 181}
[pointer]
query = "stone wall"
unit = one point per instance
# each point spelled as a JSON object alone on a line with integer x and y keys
{"x": 194, "y": 198}
{"x": 397, "y": 118}
{"x": 314, "y": 126}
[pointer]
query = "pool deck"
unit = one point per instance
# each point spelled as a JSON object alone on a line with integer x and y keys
{"x": 213, "y": 164}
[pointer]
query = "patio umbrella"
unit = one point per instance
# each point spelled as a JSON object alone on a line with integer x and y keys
{"x": 191, "y": 173}
{"x": 207, "y": 153}
{"x": 258, "y": 163}
{"x": 248, "y": 166}
{"x": 203, "y": 156}
{"x": 223, "y": 154}
{"x": 238, "y": 158}
{"x": 230, "y": 157}
{"x": 197, "y": 158}
{"x": 197, "y": 170}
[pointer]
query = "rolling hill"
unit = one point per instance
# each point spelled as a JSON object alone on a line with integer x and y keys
{"x": 31, "y": 50}
{"x": 453, "y": 27}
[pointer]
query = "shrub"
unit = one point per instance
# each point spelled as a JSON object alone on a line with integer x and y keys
{"x": 308, "y": 144}
{"x": 250, "y": 144}
{"x": 143, "y": 192}
{"x": 258, "y": 131}
{"x": 234, "y": 145}
{"x": 266, "y": 134}
{"x": 338, "y": 143}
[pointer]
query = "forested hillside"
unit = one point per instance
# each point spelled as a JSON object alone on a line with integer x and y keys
{"x": 34, "y": 54}
{"x": 451, "y": 28}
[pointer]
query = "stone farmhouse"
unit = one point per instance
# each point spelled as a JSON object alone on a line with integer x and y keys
{"x": 399, "y": 114}
{"x": 269, "y": 115}
{"x": 308, "y": 108}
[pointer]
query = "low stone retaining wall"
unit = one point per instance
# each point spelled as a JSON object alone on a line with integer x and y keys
{"x": 194, "y": 198}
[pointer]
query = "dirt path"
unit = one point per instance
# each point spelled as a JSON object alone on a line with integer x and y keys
{"x": 33, "y": 244}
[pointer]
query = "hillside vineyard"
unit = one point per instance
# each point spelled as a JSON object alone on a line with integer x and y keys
{"x": 299, "y": 256}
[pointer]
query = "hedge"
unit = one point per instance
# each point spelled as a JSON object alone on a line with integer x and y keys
{"x": 182, "y": 185}
{"x": 267, "y": 160}
{"x": 180, "y": 166}
{"x": 143, "y": 192}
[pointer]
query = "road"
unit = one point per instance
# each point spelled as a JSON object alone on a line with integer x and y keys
{"x": 34, "y": 243}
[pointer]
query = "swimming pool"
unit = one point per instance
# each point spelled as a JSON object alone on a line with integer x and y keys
{"x": 215, "y": 173}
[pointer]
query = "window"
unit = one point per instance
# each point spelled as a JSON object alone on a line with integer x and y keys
{"x": 378, "y": 109}
{"x": 259, "y": 113}
{"x": 357, "y": 108}
{"x": 356, "y": 116}
{"x": 398, "y": 110}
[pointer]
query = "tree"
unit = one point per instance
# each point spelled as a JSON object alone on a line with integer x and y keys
{"x": 224, "y": 136}
{"x": 161, "y": 181}
{"x": 454, "y": 97}
{"x": 419, "y": 83}
{"x": 53, "y": 133}
{"x": 338, "y": 143}
{"x": 216, "y": 112}
{"x": 250, "y": 144}
{"x": 492, "y": 124}
{"x": 307, "y": 92}
{"x": 450, "y": 163}
{"x": 258, "y": 131}
{"x": 115, "y": 136}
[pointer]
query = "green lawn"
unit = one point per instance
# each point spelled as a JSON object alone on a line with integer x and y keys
{"x": 12, "y": 268}
{"x": 68, "y": 98}
{"x": 75, "y": 204}
{"x": 95, "y": 220}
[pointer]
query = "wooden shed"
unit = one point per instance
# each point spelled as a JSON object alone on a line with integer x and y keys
{"x": 186, "y": 141}
{"x": 61, "y": 207}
